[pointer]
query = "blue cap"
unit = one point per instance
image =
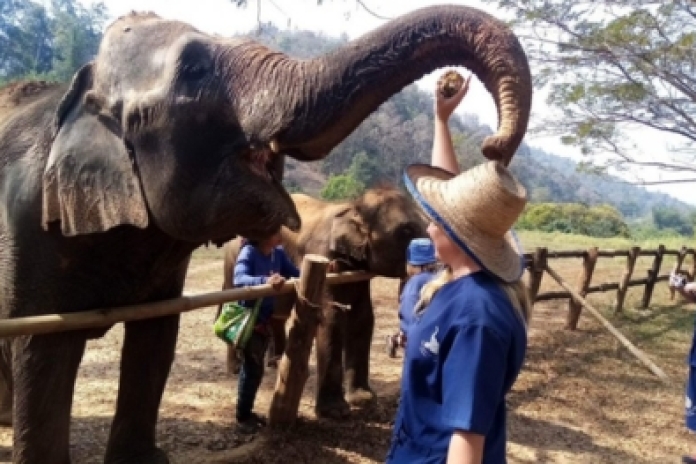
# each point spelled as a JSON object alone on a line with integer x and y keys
{"x": 421, "y": 251}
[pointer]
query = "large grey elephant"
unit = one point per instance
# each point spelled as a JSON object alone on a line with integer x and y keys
{"x": 370, "y": 233}
{"x": 170, "y": 139}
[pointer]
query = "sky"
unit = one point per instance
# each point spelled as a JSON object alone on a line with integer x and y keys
{"x": 336, "y": 17}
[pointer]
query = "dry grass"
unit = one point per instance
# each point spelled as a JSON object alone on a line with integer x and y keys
{"x": 581, "y": 398}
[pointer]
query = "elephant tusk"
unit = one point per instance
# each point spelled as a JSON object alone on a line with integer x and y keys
{"x": 275, "y": 146}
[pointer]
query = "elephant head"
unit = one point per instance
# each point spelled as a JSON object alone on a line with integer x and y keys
{"x": 177, "y": 129}
{"x": 374, "y": 231}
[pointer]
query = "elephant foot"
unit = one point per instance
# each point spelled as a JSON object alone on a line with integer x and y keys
{"x": 332, "y": 408}
{"x": 360, "y": 396}
{"x": 156, "y": 456}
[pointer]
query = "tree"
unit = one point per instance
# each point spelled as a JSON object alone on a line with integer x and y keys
{"x": 611, "y": 66}
{"x": 343, "y": 187}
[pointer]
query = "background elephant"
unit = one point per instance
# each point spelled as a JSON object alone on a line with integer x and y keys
{"x": 170, "y": 139}
{"x": 370, "y": 233}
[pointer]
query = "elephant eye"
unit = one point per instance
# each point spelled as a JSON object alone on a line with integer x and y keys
{"x": 194, "y": 71}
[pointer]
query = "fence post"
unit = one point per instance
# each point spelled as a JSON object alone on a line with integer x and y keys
{"x": 677, "y": 269}
{"x": 293, "y": 370}
{"x": 536, "y": 271}
{"x": 584, "y": 278}
{"x": 633, "y": 254}
{"x": 692, "y": 275}
{"x": 652, "y": 277}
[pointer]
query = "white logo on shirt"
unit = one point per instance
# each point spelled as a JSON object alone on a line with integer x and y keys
{"x": 432, "y": 346}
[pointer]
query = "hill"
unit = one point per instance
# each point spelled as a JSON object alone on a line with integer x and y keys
{"x": 400, "y": 133}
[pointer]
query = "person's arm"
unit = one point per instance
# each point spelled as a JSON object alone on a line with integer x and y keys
{"x": 443, "y": 155}
{"x": 465, "y": 448}
{"x": 688, "y": 291}
{"x": 243, "y": 270}
{"x": 287, "y": 267}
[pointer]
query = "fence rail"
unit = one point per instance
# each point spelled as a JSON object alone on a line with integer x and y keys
{"x": 537, "y": 263}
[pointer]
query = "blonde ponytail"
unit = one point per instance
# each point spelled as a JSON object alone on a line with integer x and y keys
{"x": 517, "y": 293}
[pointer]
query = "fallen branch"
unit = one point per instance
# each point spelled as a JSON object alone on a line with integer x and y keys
{"x": 49, "y": 323}
{"x": 613, "y": 330}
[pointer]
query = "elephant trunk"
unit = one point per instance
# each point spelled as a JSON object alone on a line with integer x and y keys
{"x": 319, "y": 102}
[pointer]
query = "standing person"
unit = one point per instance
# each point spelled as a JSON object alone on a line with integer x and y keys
{"x": 688, "y": 291}
{"x": 421, "y": 265}
{"x": 259, "y": 262}
{"x": 468, "y": 342}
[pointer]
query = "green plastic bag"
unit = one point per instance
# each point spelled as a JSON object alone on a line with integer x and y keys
{"x": 235, "y": 323}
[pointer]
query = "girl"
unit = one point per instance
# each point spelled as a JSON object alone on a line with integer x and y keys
{"x": 468, "y": 342}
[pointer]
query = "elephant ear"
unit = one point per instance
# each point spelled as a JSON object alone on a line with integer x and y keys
{"x": 349, "y": 235}
{"x": 89, "y": 183}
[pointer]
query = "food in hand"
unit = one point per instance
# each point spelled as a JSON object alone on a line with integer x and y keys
{"x": 450, "y": 83}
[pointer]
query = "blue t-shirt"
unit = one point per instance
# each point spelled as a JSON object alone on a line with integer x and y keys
{"x": 254, "y": 268}
{"x": 462, "y": 357}
{"x": 410, "y": 296}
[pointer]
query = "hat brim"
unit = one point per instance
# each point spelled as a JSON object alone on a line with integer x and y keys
{"x": 501, "y": 256}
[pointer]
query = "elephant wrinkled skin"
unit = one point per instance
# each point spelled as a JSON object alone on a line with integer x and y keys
{"x": 170, "y": 139}
{"x": 370, "y": 234}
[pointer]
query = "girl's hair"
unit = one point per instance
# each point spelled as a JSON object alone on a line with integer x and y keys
{"x": 412, "y": 270}
{"x": 517, "y": 293}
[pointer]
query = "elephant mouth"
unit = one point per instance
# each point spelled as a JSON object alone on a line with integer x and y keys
{"x": 259, "y": 162}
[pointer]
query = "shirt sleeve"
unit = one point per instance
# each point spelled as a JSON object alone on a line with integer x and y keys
{"x": 287, "y": 267}
{"x": 473, "y": 378}
{"x": 243, "y": 269}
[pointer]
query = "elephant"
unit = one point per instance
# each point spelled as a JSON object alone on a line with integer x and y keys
{"x": 370, "y": 233}
{"x": 167, "y": 140}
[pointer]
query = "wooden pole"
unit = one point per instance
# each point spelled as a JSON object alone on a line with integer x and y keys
{"x": 293, "y": 370}
{"x": 536, "y": 272}
{"x": 642, "y": 357}
{"x": 50, "y": 323}
{"x": 633, "y": 254}
{"x": 584, "y": 278}
{"x": 692, "y": 275}
{"x": 652, "y": 276}
{"x": 677, "y": 268}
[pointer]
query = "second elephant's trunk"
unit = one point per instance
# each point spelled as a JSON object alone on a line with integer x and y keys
{"x": 325, "y": 99}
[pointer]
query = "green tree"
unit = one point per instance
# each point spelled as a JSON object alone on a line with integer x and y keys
{"x": 613, "y": 65}
{"x": 342, "y": 187}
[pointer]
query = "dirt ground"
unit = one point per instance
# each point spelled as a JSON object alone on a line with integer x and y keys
{"x": 581, "y": 398}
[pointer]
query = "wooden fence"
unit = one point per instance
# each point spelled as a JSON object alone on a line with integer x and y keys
{"x": 293, "y": 371}
{"x": 537, "y": 263}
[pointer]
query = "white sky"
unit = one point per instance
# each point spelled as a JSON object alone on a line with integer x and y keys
{"x": 335, "y": 17}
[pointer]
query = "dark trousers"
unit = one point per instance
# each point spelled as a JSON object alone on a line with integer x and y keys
{"x": 251, "y": 373}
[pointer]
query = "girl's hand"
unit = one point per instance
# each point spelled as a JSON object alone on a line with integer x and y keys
{"x": 276, "y": 281}
{"x": 444, "y": 107}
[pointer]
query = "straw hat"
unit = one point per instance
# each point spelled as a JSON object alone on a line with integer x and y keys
{"x": 476, "y": 209}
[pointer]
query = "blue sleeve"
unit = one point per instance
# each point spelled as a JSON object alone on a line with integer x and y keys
{"x": 473, "y": 378}
{"x": 287, "y": 267}
{"x": 243, "y": 269}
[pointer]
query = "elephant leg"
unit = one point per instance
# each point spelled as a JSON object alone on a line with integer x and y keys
{"x": 360, "y": 323}
{"x": 146, "y": 359}
{"x": 6, "y": 395}
{"x": 329, "y": 345}
{"x": 44, "y": 371}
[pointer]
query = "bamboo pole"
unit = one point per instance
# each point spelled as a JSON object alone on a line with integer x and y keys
{"x": 293, "y": 370}
{"x": 49, "y": 323}
{"x": 584, "y": 278}
{"x": 642, "y": 357}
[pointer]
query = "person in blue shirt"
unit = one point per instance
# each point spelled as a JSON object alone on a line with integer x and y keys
{"x": 259, "y": 262}
{"x": 421, "y": 265}
{"x": 688, "y": 291}
{"x": 468, "y": 340}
